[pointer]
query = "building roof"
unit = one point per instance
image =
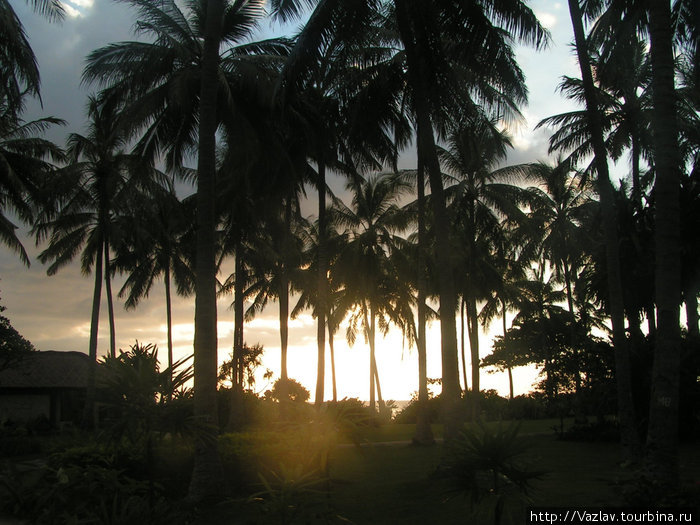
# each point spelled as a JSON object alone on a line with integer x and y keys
{"x": 49, "y": 369}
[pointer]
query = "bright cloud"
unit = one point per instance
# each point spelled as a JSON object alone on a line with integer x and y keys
{"x": 76, "y": 8}
{"x": 548, "y": 20}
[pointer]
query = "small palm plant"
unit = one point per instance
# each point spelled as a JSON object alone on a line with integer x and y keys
{"x": 290, "y": 494}
{"x": 489, "y": 465}
{"x": 143, "y": 404}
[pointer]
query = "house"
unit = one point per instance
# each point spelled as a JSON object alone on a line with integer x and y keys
{"x": 50, "y": 383}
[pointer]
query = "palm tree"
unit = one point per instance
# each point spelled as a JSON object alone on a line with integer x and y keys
{"x": 417, "y": 254}
{"x": 307, "y": 284}
{"x": 275, "y": 259}
{"x": 481, "y": 198}
{"x": 19, "y": 72}
{"x": 371, "y": 288}
{"x": 435, "y": 76}
{"x": 155, "y": 246}
{"x": 662, "y": 437}
{"x": 179, "y": 88}
{"x": 510, "y": 262}
{"x": 25, "y": 164}
{"x": 630, "y": 440}
{"x": 94, "y": 191}
{"x": 557, "y": 211}
{"x": 622, "y": 82}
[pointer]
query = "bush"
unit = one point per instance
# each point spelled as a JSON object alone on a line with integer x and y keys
{"x": 15, "y": 440}
{"x": 527, "y": 406}
{"x": 409, "y": 413}
{"x": 83, "y": 485}
{"x": 296, "y": 392}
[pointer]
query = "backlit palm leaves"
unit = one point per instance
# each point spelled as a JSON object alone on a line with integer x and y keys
{"x": 19, "y": 71}
{"x": 26, "y": 164}
{"x": 372, "y": 288}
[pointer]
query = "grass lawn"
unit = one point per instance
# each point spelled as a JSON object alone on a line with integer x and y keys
{"x": 405, "y": 431}
{"x": 401, "y": 484}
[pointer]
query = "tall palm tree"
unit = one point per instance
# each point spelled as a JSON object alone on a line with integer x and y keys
{"x": 558, "y": 206}
{"x": 481, "y": 198}
{"x": 26, "y": 161}
{"x": 275, "y": 259}
{"x": 156, "y": 246}
{"x": 95, "y": 187}
{"x": 435, "y": 74}
{"x": 198, "y": 69}
{"x": 662, "y": 437}
{"x": 370, "y": 286}
{"x": 417, "y": 254}
{"x": 630, "y": 440}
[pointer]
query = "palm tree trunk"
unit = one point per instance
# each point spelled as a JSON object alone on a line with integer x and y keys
{"x": 448, "y": 299}
{"x": 505, "y": 338}
{"x": 284, "y": 336}
{"x": 284, "y": 326}
{"x": 380, "y": 399}
{"x": 284, "y": 303}
{"x": 238, "y": 317}
{"x": 636, "y": 175}
{"x": 235, "y": 411}
{"x": 662, "y": 436}
{"x": 463, "y": 347}
{"x": 473, "y": 326}
{"x": 169, "y": 322}
{"x": 369, "y": 333}
{"x": 424, "y": 432}
{"x": 207, "y": 474}
{"x": 650, "y": 312}
{"x": 630, "y": 442}
{"x": 332, "y": 351}
{"x": 89, "y": 415}
{"x": 322, "y": 285}
{"x": 110, "y": 303}
{"x": 579, "y": 414}
{"x": 691, "y": 312}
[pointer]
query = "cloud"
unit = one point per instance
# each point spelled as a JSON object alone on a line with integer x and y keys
{"x": 547, "y": 20}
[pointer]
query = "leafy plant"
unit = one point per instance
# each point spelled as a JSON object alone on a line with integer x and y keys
{"x": 13, "y": 347}
{"x": 75, "y": 489}
{"x": 290, "y": 494}
{"x": 488, "y": 464}
{"x": 141, "y": 399}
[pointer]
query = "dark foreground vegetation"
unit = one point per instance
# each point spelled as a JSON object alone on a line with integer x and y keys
{"x": 289, "y": 462}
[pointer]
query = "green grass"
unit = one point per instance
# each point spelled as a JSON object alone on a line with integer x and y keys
{"x": 406, "y": 431}
{"x": 397, "y": 483}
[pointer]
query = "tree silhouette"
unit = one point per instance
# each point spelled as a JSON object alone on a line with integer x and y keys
{"x": 94, "y": 190}
{"x": 157, "y": 245}
{"x": 26, "y": 165}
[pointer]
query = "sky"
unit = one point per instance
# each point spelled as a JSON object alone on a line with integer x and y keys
{"x": 54, "y": 312}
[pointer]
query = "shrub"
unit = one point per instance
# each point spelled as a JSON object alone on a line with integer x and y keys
{"x": 296, "y": 392}
{"x": 83, "y": 486}
{"x": 409, "y": 413}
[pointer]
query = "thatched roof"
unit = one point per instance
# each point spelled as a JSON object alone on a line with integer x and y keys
{"x": 50, "y": 369}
